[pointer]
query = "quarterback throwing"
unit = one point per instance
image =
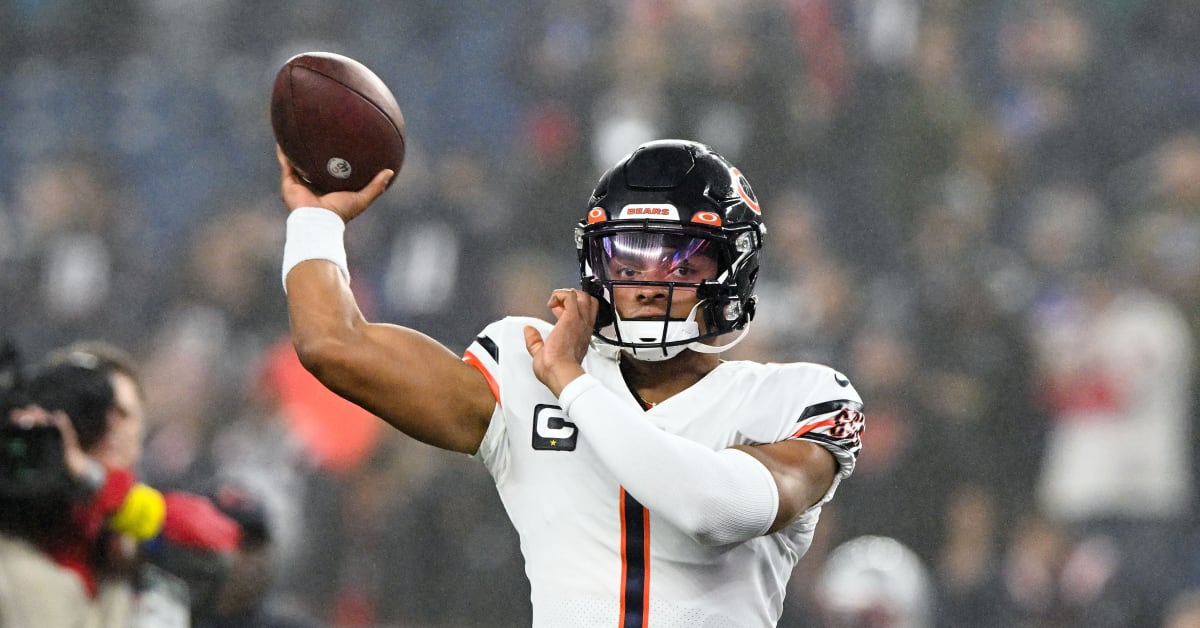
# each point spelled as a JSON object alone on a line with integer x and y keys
{"x": 651, "y": 482}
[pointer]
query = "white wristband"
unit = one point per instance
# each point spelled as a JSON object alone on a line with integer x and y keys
{"x": 314, "y": 233}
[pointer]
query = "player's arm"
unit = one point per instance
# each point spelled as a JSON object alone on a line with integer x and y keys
{"x": 717, "y": 497}
{"x": 803, "y": 473}
{"x": 402, "y": 376}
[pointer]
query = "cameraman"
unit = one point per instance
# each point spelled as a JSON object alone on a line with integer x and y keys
{"x": 124, "y": 538}
{"x": 34, "y": 501}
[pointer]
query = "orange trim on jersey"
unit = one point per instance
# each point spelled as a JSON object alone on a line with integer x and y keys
{"x": 635, "y": 595}
{"x": 808, "y": 428}
{"x": 646, "y": 568}
{"x": 624, "y": 554}
{"x": 471, "y": 359}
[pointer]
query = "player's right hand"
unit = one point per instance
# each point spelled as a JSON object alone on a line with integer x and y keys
{"x": 558, "y": 356}
{"x": 345, "y": 204}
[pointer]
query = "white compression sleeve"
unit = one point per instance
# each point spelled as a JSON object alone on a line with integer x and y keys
{"x": 314, "y": 233}
{"x": 716, "y": 497}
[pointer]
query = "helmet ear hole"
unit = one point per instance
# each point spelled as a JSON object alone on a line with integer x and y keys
{"x": 732, "y": 311}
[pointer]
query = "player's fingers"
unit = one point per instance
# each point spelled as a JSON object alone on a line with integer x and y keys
{"x": 557, "y": 301}
{"x": 588, "y": 305}
{"x": 286, "y": 172}
{"x": 583, "y": 299}
{"x": 377, "y": 186}
{"x": 533, "y": 340}
{"x": 568, "y": 303}
{"x": 570, "y": 299}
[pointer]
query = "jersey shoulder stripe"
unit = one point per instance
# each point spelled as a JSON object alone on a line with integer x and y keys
{"x": 502, "y": 339}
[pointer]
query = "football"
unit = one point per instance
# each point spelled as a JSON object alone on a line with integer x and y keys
{"x": 336, "y": 121}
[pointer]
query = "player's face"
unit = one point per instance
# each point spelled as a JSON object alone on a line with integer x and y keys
{"x": 667, "y": 270}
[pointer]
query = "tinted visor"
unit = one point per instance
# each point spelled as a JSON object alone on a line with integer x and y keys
{"x": 639, "y": 256}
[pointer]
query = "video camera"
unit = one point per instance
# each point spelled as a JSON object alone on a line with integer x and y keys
{"x": 34, "y": 481}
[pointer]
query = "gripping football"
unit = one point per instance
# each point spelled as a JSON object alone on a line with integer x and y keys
{"x": 336, "y": 121}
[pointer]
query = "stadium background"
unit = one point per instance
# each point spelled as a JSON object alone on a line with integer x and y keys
{"x": 956, "y": 192}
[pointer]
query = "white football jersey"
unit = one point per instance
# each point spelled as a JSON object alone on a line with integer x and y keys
{"x": 594, "y": 556}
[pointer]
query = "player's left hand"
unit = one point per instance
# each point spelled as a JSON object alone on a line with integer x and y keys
{"x": 558, "y": 357}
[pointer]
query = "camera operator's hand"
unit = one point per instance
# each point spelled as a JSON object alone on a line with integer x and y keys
{"x": 81, "y": 466}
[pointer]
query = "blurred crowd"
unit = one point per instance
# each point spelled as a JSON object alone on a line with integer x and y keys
{"x": 986, "y": 213}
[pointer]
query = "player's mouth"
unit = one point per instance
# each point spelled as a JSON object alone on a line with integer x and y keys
{"x": 652, "y": 317}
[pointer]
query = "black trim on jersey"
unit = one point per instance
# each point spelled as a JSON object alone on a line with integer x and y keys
{"x": 829, "y": 406}
{"x": 489, "y": 345}
{"x": 839, "y": 443}
{"x": 634, "y": 563}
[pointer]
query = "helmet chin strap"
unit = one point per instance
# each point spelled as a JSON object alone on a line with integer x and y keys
{"x": 700, "y": 347}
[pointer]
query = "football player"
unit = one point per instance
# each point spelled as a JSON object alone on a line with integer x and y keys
{"x": 650, "y": 481}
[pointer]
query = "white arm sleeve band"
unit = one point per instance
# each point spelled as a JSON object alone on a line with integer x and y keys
{"x": 716, "y": 497}
{"x": 314, "y": 233}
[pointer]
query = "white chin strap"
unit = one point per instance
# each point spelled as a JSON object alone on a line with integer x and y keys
{"x": 650, "y": 332}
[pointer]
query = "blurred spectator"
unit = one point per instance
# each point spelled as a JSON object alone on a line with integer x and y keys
{"x": 213, "y": 328}
{"x": 244, "y": 600}
{"x": 967, "y": 573}
{"x": 73, "y": 256}
{"x": 1053, "y": 577}
{"x": 896, "y": 473}
{"x": 970, "y": 339}
{"x": 1183, "y": 611}
{"x": 257, "y": 451}
{"x": 874, "y": 581}
{"x": 139, "y": 553}
{"x": 809, "y": 303}
{"x": 1115, "y": 365}
{"x": 35, "y": 492}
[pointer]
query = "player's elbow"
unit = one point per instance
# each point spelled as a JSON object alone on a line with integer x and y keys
{"x": 323, "y": 356}
{"x": 736, "y": 503}
{"x": 714, "y": 524}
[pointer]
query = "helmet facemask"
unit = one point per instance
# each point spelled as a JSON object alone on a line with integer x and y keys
{"x": 665, "y": 266}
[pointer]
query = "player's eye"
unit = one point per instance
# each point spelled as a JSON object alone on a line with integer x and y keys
{"x": 626, "y": 272}
{"x": 681, "y": 272}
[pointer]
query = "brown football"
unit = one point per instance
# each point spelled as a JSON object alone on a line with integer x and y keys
{"x": 336, "y": 120}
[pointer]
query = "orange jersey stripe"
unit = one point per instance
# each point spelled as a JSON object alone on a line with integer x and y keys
{"x": 808, "y": 428}
{"x": 646, "y": 567}
{"x": 471, "y": 359}
{"x": 635, "y": 563}
{"x": 624, "y": 553}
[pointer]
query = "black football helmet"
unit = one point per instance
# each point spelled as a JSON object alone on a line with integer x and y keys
{"x": 666, "y": 201}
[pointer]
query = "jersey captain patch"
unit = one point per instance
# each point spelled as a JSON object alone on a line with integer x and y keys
{"x": 551, "y": 429}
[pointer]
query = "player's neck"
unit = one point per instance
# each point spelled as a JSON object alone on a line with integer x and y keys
{"x": 654, "y": 382}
